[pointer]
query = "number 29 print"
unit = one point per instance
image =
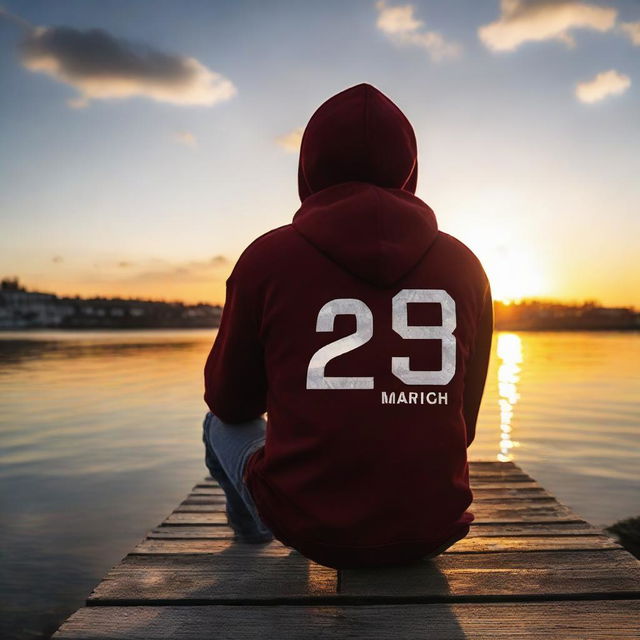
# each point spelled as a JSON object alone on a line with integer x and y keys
{"x": 400, "y": 366}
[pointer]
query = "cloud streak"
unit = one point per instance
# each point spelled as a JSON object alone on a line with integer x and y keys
{"x": 632, "y": 31}
{"x": 401, "y": 26}
{"x": 291, "y": 141}
{"x": 523, "y": 21}
{"x": 161, "y": 271}
{"x": 607, "y": 83}
{"x": 101, "y": 66}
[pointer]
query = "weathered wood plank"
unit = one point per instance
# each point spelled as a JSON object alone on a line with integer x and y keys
{"x": 527, "y": 529}
{"x": 235, "y": 573}
{"x": 205, "y": 491}
{"x": 466, "y": 545}
{"x": 480, "y": 476}
{"x": 597, "y": 620}
{"x": 481, "y": 509}
{"x": 502, "y": 479}
{"x": 501, "y": 529}
{"x": 493, "y": 463}
{"x": 189, "y": 532}
{"x": 474, "y": 465}
{"x": 516, "y": 486}
{"x": 276, "y": 574}
{"x": 481, "y": 494}
{"x": 522, "y": 511}
{"x": 485, "y": 576}
{"x": 197, "y": 499}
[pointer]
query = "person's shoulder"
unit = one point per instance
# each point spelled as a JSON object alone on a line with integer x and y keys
{"x": 459, "y": 251}
{"x": 257, "y": 252}
{"x": 458, "y": 247}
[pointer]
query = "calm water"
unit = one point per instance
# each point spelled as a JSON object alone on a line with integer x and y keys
{"x": 100, "y": 438}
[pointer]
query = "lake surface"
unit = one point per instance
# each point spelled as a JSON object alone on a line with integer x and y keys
{"x": 100, "y": 437}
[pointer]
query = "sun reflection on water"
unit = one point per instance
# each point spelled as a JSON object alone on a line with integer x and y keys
{"x": 509, "y": 358}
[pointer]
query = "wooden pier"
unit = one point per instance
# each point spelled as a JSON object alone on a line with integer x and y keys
{"x": 529, "y": 568}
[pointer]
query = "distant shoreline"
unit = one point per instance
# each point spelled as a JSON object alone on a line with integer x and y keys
{"x": 120, "y": 329}
{"x": 24, "y": 310}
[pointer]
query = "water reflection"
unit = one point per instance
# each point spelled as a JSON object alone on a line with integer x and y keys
{"x": 509, "y": 358}
{"x": 100, "y": 437}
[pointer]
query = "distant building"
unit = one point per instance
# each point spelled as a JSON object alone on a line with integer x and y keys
{"x": 22, "y": 309}
{"x": 540, "y": 315}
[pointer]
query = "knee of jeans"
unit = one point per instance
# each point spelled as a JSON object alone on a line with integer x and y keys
{"x": 205, "y": 422}
{"x": 208, "y": 418}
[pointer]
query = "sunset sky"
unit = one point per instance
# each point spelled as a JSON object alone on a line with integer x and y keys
{"x": 145, "y": 144}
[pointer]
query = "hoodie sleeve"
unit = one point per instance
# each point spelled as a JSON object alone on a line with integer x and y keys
{"x": 477, "y": 366}
{"x": 234, "y": 374}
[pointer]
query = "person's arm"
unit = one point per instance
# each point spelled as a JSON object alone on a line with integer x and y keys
{"x": 477, "y": 366}
{"x": 234, "y": 375}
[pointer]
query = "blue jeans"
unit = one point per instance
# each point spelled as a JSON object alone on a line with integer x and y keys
{"x": 227, "y": 449}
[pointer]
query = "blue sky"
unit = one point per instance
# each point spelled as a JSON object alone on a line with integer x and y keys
{"x": 156, "y": 193}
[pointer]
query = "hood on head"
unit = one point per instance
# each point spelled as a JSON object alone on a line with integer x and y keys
{"x": 356, "y": 178}
{"x": 358, "y": 135}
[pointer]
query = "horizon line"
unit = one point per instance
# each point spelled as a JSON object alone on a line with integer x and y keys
{"x": 507, "y": 302}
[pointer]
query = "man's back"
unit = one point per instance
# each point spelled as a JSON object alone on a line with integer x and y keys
{"x": 365, "y": 332}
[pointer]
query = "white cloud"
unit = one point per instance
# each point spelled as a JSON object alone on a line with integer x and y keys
{"x": 397, "y": 19}
{"x": 291, "y": 141}
{"x": 400, "y": 25}
{"x": 522, "y": 21}
{"x": 101, "y": 66}
{"x": 606, "y": 83}
{"x": 186, "y": 138}
{"x": 632, "y": 31}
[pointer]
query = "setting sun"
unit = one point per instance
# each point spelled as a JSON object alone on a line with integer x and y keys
{"x": 513, "y": 275}
{"x": 514, "y": 269}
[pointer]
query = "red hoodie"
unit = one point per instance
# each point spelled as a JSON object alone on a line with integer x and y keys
{"x": 364, "y": 332}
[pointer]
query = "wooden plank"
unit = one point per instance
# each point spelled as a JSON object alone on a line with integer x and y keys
{"x": 277, "y": 574}
{"x": 208, "y": 519}
{"x": 486, "y": 576}
{"x": 521, "y": 511}
{"x": 196, "y": 499}
{"x": 506, "y": 499}
{"x": 527, "y": 529}
{"x": 481, "y": 509}
{"x": 503, "y": 486}
{"x": 466, "y": 545}
{"x": 502, "y": 516}
{"x": 474, "y": 465}
{"x": 493, "y": 463}
{"x": 483, "y": 476}
{"x": 597, "y": 620}
{"x": 189, "y": 532}
{"x": 206, "y": 491}
{"x": 493, "y": 471}
{"x": 502, "y": 479}
{"x": 515, "y": 489}
{"x": 481, "y": 494}
{"x": 477, "y": 481}
{"x": 234, "y": 573}
{"x": 501, "y": 529}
